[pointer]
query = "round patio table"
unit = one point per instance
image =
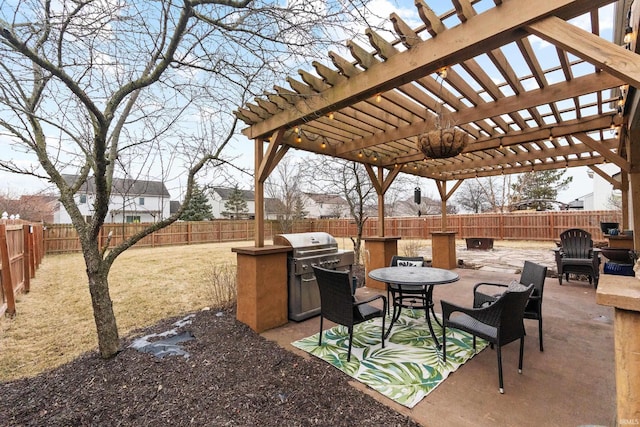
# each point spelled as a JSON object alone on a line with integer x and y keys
{"x": 413, "y": 283}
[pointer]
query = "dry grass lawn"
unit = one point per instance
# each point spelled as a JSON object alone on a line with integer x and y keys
{"x": 55, "y": 324}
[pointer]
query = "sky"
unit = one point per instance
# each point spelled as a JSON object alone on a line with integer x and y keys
{"x": 16, "y": 185}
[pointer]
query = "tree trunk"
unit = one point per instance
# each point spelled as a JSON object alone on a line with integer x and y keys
{"x": 108, "y": 339}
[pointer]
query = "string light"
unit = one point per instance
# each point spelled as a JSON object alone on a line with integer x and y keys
{"x": 323, "y": 145}
{"x": 378, "y": 97}
{"x": 331, "y": 115}
{"x": 442, "y": 72}
{"x": 628, "y": 35}
{"x": 360, "y": 154}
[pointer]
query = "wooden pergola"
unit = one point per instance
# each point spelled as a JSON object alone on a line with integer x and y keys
{"x": 522, "y": 110}
{"x": 535, "y": 85}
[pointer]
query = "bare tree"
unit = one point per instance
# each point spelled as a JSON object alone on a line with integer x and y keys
{"x": 614, "y": 201}
{"x": 431, "y": 206}
{"x": 472, "y": 196}
{"x": 497, "y": 189}
{"x": 284, "y": 186}
{"x": 89, "y": 86}
{"x": 397, "y": 194}
{"x": 352, "y": 182}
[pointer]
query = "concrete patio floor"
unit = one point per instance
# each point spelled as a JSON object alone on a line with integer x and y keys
{"x": 571, "y": 383}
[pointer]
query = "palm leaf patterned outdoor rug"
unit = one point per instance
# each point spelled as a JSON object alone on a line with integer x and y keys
{"x": 408, "y": 368}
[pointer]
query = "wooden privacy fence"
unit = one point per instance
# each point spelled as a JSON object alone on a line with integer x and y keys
{"x": 546, "y": 225}
{"x": 21, "y": 252}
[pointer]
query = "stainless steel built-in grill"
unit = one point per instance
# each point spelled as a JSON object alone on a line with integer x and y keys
{"x": 310, "y": 249}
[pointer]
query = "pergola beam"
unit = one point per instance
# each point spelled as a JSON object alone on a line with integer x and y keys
{"x": 488, "y": 30}
{"x": 615, "y": 60}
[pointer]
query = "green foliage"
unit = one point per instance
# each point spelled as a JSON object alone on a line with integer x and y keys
{"x": 298, "y": 208}
{"x": 236, "y": 205}
{"x": 534, "y": 190}
{"x": 198, "y": 208}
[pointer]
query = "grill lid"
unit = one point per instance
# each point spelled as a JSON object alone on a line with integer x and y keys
{"x": 307, "y": 243}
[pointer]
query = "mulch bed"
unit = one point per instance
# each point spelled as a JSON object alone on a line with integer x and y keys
{"x": 233, "y": 376}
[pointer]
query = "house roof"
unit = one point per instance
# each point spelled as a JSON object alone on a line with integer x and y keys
{"x": 120, "y": 186}
{"x": 271, "y": 205}
{"x": 534, "y": 85}
{"x": 326, "y": 198}
{"x": 225, "y": 193}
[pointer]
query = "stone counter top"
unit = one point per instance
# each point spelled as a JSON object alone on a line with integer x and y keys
{"x": 619, "y": 291}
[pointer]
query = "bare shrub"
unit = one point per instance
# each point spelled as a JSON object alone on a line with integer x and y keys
{"x": 411, "y": 247}
{"x": 220, "y": 284}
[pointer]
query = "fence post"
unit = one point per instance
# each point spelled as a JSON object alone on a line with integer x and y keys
{"x": 26, "y": 256}
{"x": 7, "y": 282}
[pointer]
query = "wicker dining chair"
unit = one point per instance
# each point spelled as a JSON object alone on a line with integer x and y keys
{"x": 532, "y": 274}
{"x": 499, "y": 323}
{"x": 338, "y": 304}
{"x": 406, "y": 295}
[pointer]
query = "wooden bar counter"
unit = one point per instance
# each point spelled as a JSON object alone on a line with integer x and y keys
{"x": 623, "y": 293}
{"x": 620, "y": 241}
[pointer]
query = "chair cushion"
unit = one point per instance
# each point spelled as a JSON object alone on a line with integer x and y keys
{"x": 407, "y": 263}
{"x": 515, "y": 286}
{"x": 469, "y": 324}
{"x": 367, "y": 311}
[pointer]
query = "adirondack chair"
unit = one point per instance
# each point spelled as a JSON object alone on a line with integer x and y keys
{"x": 577, "y": 255}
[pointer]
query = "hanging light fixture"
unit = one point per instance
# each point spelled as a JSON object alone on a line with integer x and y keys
{"x": 445, "y": 140}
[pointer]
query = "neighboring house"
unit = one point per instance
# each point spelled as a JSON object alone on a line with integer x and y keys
{"x": 131, "y": 201}
{"x": 325, "y": 206}
{"x": 219, "y": 196}
{"x": 600, "y": 198}
{"x": 577, "y": 204}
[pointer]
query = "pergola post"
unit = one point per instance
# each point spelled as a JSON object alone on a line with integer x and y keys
{"x": 633, "y": 199}
{"x": 443, "y": 242}
{"x": 262, "y": 300}
{"x": 379, "y": 250}
{"x": 624, "y": 188}
{"x": 259, "y": 195}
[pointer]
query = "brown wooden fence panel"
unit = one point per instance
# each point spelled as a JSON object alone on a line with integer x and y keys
{"x": 19, "y": 248}
{"x": 508, "y": 226}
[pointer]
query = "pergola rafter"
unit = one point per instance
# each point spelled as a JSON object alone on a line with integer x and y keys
{"x": 376, "y": 105}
